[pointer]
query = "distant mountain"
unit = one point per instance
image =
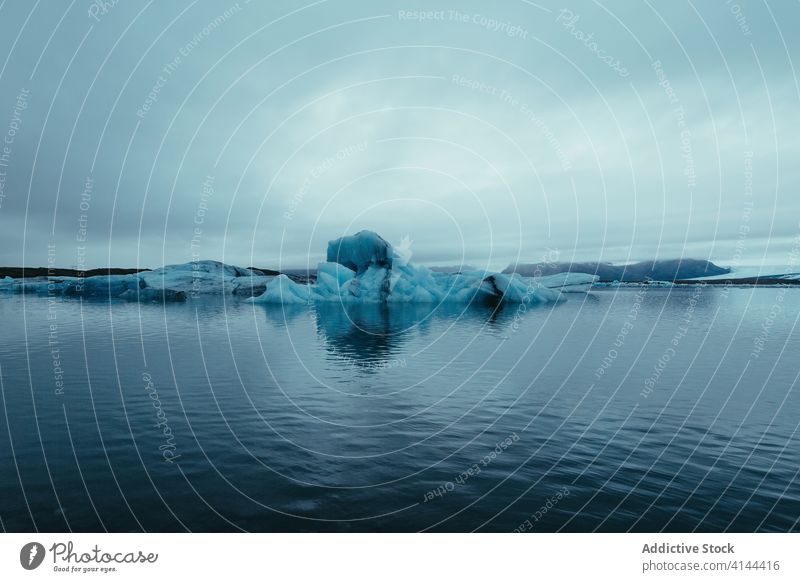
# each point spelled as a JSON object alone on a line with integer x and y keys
{"x": 664, "y": 270}
{"x": 454, "y": 269}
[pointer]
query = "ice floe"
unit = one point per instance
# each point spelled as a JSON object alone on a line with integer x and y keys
{"x": 364, "y": 268}
{"x": 360, "y": 268}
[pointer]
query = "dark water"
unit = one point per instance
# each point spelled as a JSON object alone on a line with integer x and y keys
{"x": 404, "y": 417}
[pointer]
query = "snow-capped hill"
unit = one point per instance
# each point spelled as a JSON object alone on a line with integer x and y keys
{"x": 656, "y": 270}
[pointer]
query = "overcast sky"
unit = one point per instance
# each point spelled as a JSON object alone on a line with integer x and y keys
{"x": 144, "y": 133}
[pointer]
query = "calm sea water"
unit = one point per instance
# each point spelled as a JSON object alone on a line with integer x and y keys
{"x": 619, "y": 410}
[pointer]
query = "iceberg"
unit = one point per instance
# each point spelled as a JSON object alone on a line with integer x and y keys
{"x": 206, "y": 278}
{"x": 365, "y": 268}
{"x": 169, "y": 283}
{"x": 284, "y": 290}
{"x": 360, "y": 251}
{"x": 362, "y": 268}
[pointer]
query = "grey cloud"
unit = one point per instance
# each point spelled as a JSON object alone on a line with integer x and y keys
{"x": 500, "y": 125}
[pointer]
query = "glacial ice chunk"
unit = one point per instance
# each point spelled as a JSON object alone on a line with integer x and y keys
{"x": 362, "y": 268}
{"x": 332, "y": 277}
{"x": 283, "y": 290}
{"x": 197, "y": 277}
{"x": 169, "y": 283}
{"x": 357, "y": 252}
{"x": 568, "y": 282}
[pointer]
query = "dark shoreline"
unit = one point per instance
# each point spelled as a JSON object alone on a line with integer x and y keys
{"x": 27, "y": 272}
{"x": 31, "y": 272}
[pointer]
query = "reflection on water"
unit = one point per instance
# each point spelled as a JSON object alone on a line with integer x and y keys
{"x": 648, "y": 408}
{"x": 372, "y": 333}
